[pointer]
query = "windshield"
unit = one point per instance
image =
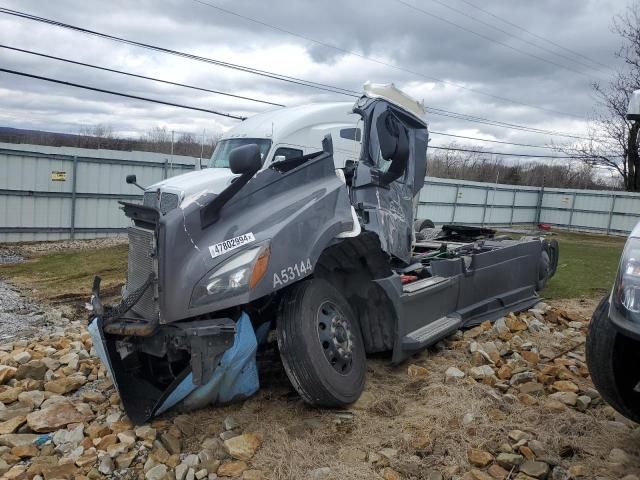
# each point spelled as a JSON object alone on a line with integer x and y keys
{"x": 220, "y": 157}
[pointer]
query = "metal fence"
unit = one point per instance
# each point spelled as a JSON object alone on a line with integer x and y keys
{"x": 52, "y": 193}
{"x": 476, "y": 203}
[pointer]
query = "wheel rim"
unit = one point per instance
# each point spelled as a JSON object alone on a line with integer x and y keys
{"x": 336, "y": 338}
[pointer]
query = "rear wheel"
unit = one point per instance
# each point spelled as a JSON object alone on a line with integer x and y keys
{"x": 321, "y": 345}
{"x": 613, "y": 359}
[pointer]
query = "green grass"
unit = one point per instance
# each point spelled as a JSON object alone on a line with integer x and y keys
{"x": 69, "y": 273}
{"x": 587, "y": 266}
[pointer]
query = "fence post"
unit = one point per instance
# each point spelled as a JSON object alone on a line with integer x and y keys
{"x": 455, "y": 203}
{"x": 74, "y": 188}
{"x": 539, "y": 207}
{"x": 611, "y": 210}
{"x": 164, "y": 169}
{"x": 513, "y": 206}
{"x": 573, "y": 204}
{"x": 484, "y": 209}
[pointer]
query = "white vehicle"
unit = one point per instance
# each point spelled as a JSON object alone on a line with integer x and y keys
{"x": 280, "y": 135}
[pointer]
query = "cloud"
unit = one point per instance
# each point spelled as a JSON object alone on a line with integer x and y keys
{"x": 478, "y": 75}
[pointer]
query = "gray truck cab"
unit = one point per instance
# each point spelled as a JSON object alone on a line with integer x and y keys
{"x": 315, "y": 247}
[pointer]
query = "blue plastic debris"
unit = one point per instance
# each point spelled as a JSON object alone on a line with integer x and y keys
{"x": 235, "y": 378}
{"x": 42, "y": 439}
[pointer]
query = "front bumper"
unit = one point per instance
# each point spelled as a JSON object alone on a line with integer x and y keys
{"x": 625, "y": 327}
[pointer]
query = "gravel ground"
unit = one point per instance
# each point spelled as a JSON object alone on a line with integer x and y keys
{"x": 37, "y": 248}
{"x": 21, "y": 317}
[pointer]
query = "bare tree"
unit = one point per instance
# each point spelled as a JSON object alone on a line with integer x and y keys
{"x": 613, "y": 140}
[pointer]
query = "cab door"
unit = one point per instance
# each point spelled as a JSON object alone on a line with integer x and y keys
{"x": 389, "y": 174}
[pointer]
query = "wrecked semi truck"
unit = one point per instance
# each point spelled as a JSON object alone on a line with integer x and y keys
{"x": 301, "y": 232}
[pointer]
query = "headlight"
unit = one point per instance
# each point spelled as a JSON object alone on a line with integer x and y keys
{"x": 237, "y": 275}
{"x": 626, "y": 291}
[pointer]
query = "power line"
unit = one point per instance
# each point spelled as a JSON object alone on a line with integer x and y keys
{"x": 433, "y": 132}
{"x": 255, "y": 71}
{"x": 485, "y": 37}
{"x": 501, "y": 30}
{"x": 321, "y": 86}
{"x": 120, "y": 94}
{"x": 540, "y": 37}
{"x": 505, "y": 154}
{"x": 391, "y": 65}
{"x": 89, "y": 65}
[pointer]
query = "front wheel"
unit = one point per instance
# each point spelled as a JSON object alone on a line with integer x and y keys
{"x": 320, "y": 344}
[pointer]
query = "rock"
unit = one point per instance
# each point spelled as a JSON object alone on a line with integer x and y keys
{"x": 10, "y": 394}
{"x": 65, "y": 384}
{"x": 25, "y": 451}
{"x": 453, "y": 374}
{"x": 16, "y": 439}
{"x": 235, "y": 469}
{"x": 22, "y": 357}
{"x": 390, "y": 474}
{"x": 243, "y": 447}
{"x": 87, "y": 459}
{"x": 559, "y": 473}
{"x": 171, "y": 443}
{"x": 515, "y": 324}
{"x": 565, "y": 386}
{"x": 106, "y": 466}
{"x": 6, "y": 373}
{"x": 583, "y": 402}
{"x": 181, "y": 471}
{"x": 479, "y": 458}
{"x": 531, "y": 357}
{"x": 12, "y": 424}
{"x": 54, "y": 417}
{"x": 522, "y": 377}
{"x": 618, "y": 456}
{"x": 322, "y": 473}
{"x": 535, "y": 469}
{"x": 468, "y": 419}
{"x": 117, "y": 449}
{"x": 505, "y": 372}
{"x": 185, "y": 424}
{"x": 202, "y": 473}
{"x": 531, "y": 388}
{"x": 156, "y": 473}
{"x": 479, "y": 475}
{"x": 568, "y": 398}
{"x": 191, "y": 460}
{"x": 417, "y": 371}
{"x": 497, "y": 472}
{"x": 554, "y": 405}
{"x": 145, "y": 432}
{"x": 93, "y": 397}
{"x": 517, "y": 435}
{"x": 230, "y": 423}
{"x": 32, "y": 399}
{"x": 128, "y": 437}
{"x": 65, "y": 471}
{"x": 509, "y": 460}
{"x": 35, "y": 369}
{"x": 481, "y": 373}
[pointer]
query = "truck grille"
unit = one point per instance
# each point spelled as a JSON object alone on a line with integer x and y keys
{"x": 141, "y": 264}
{"x": 168, "y": 201}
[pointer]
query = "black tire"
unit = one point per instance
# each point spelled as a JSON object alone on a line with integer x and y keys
{"x": 612, "y": 359}
{"x": 304, "y": 308}
{"x": 544, "y": 270}
{"x": 421, "y": 224}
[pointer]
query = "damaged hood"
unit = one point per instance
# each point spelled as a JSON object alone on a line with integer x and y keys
{"x": 213, "y": 180}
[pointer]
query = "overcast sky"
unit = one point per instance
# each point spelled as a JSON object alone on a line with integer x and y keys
{"x": 475, "y": 70}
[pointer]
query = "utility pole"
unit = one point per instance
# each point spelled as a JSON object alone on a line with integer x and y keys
{"x": 201, "y": 149}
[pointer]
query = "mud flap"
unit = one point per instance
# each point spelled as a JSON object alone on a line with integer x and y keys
{"x": 235, "y": 377}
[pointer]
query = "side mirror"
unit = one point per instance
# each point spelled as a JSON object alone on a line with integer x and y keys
{"x": 633, "y": 111}
{"x": 393, "y": 139}
{"x": 245, "y": 159}
{"x": 131, "y": 180}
